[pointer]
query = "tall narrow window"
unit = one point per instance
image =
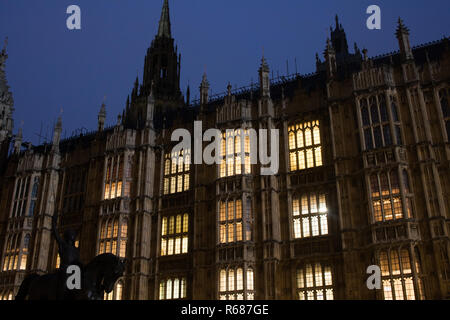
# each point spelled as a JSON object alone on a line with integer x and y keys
{"x": 176, "y": 172}
{"x": 376, "y": 123}
{"x": 172, "y": 289}
{"x": 113, "y": 237}
{"x": 25, "y": 249}
{"x": 235, "y": 153}
{"x": 116, "y": 294}
{"x": 174, "y": 235}
{"x": 20, "y": 202}
{"x": 114, "y": 178}
{"x": 397, "y": 276}
{"x": 235, "y": 282}
{"x": 386, "y": 199}
{"x": 305, "y": 150}
{"x": 231, "y": 222}
{"x": 315, "y": 282}
{"x": 310, "y": 215}
{"x": 15, "y": 251}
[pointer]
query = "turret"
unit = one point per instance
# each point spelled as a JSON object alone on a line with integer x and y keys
{"x": 264, "y": 80}
{"x": 57, "y": 135}
{"x": 102, "y": 117}
{"x": 18, "y": 142}
{"x": 204, "y": 90}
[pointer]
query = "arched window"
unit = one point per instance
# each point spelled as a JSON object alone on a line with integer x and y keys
{"x": 309, "y": 215}
{"x": 233, "y": 284}
{"x": 397, "y": 275}
{"x": 231, "y": 222}
{"x": 315, "y": 282}
{"x": 174, "y": 235}
{"x": 305, "y": 150}
{"x": 25, "y": 250}
{"x": 176, "y": 172}
{"x": 172, "y": 288}
{"x": 377, "y": 129}
{"x": 114, "y": 178}
{"x": 111, "y": 240}
{"x": 235, "y": 153}
{"x": 385, "y": 194}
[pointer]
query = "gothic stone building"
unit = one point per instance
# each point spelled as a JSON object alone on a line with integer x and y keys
{"x": 364, "y": 180}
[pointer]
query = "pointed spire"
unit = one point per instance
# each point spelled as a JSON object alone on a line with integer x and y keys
{"x": 188, "y": 95}
{"x": 102, "y": 116}
{"x": 264, "y": 80}
{"x": 164, "y": 22}
{"x": 402, "y": 34}
{"x": 18, "y": 141}
{"x": 264, "y": 64}
{"x": 57, "y": 134}
{"x": 401, "y": 28}
{"x": 337, "y": 22}
{"x": 204, "y": 90}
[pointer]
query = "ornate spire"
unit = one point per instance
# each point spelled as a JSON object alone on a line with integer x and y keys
{"x": 264, "y": 64}
{"x": 264, "y": 80}
{"x": 204, "y": 89}
{"x": 401, "y": 28}
{"x": 402, "y": 34}
{"x": 18, "y": 141}
{"x": 102, "y": 117}
{"x": 164, "y": 22}
{"x": 57, "y": 134}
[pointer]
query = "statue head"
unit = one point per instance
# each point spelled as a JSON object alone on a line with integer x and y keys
{"x": 70, "y": 236}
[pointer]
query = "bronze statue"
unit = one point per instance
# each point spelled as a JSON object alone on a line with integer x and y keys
{"x": 68, "y": 254}
{"x": 97, "y": 277}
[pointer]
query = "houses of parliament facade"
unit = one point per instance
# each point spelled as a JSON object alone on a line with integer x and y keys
{"x": 364, "y": 179}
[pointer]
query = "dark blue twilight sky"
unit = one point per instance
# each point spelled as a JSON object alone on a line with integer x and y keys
{"x": 50, "y": 67}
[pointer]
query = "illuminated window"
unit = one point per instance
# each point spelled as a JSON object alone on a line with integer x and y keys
{"x": 315, "y": 282}
{"x": 305, "y": 149}
{"x": 19, "y": 205}
{"x": 376, "y": 123}
{"x": 172, "y": 289}
{"x": 174, "y": 235}
{"x": 25, "y": 249}
{"x": 309, "y": 214}
{"x": 115, "y": 187}
{"x": 235, "y": 153}
{"x": 116, "y": 294}
{"x": 113, "y": 237}
{"x": 235, "y": 282}
{"x": 176, "y": 172}
{"x": 14, "y": 252}
{"x": 386, "y": 200}
{"x": 397, "y": 275}
{"x": 445, "y": 107}
{"x": 232, "y": 221}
